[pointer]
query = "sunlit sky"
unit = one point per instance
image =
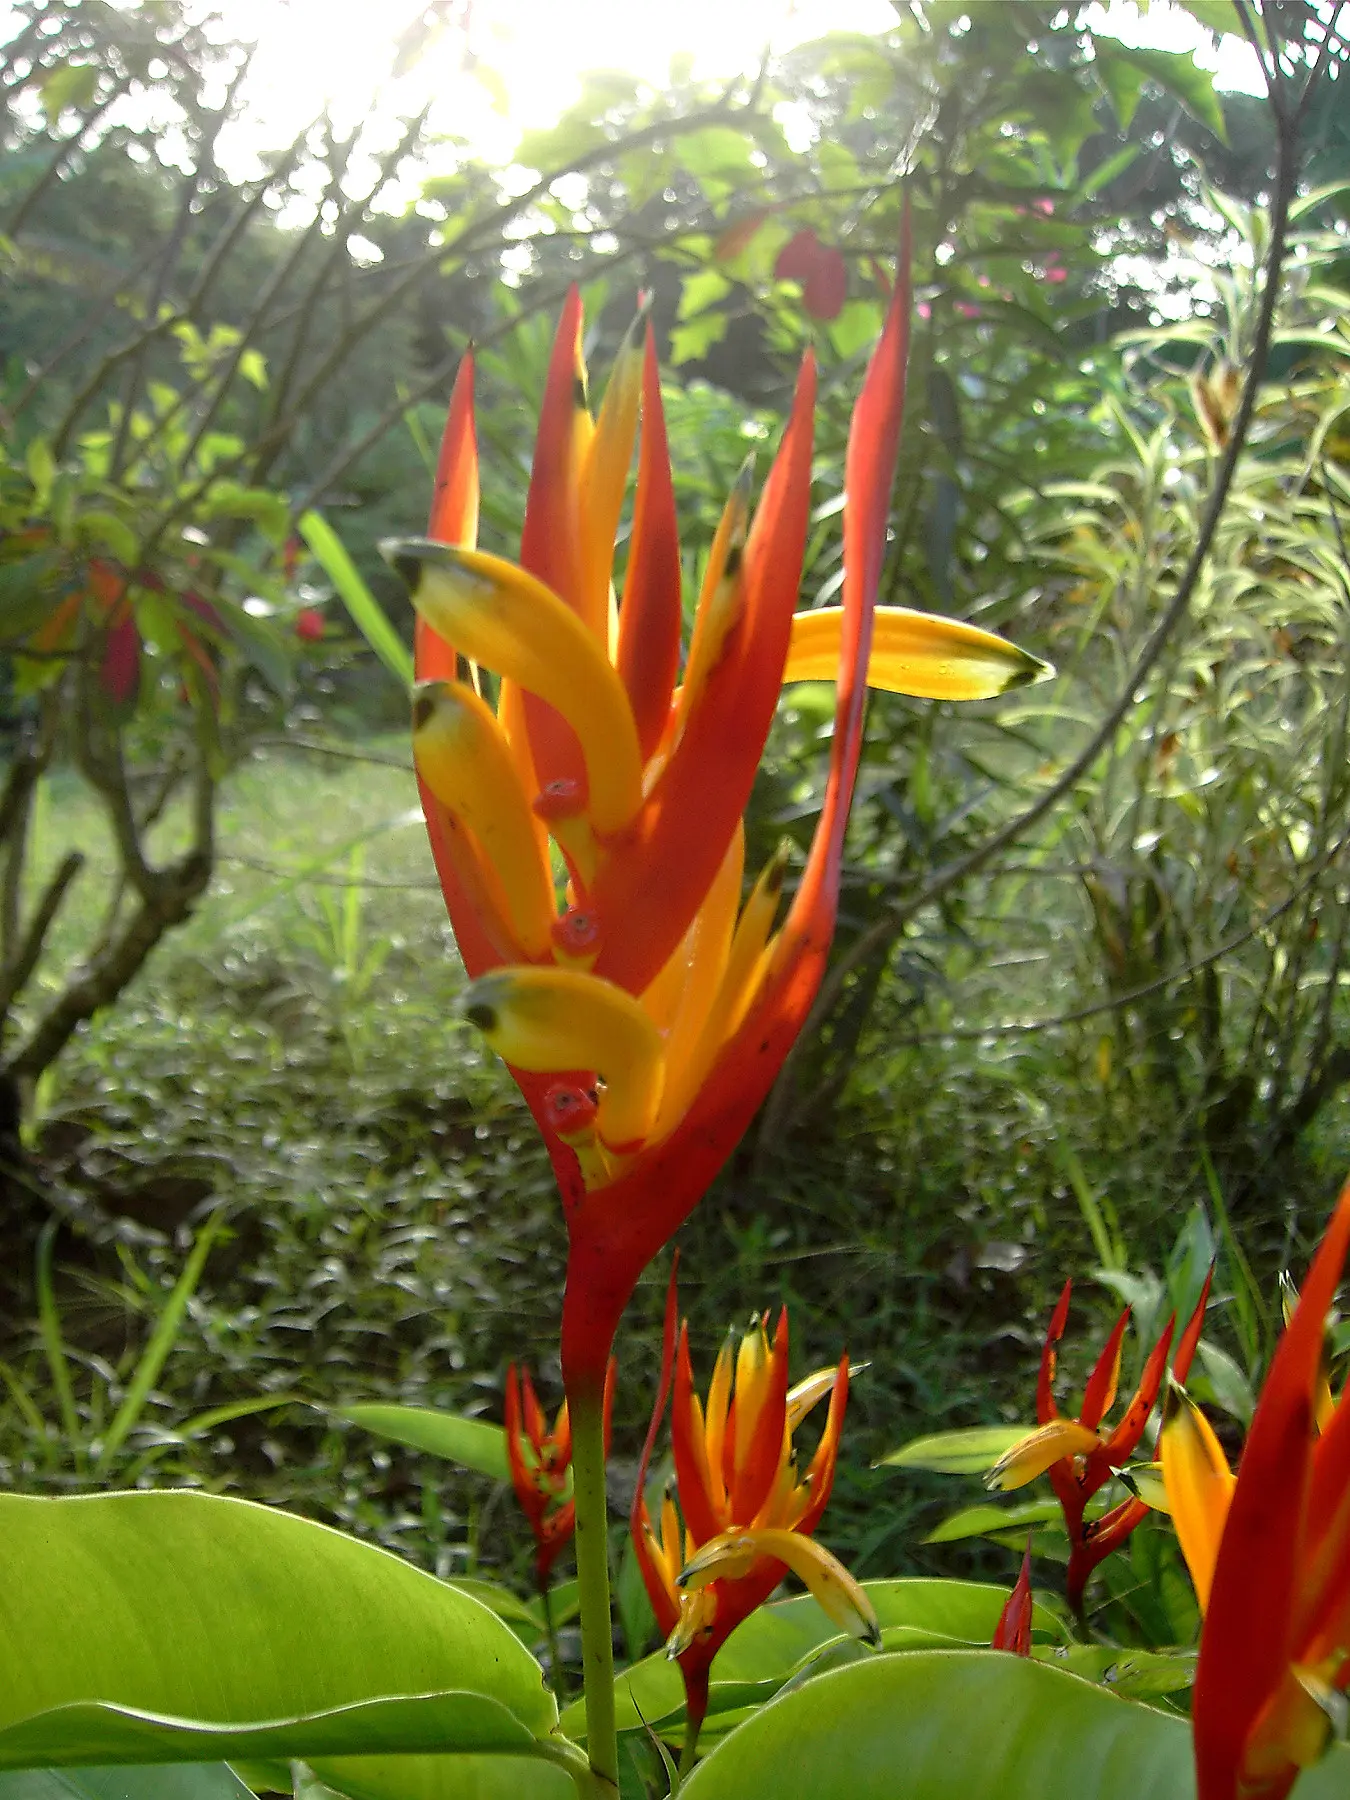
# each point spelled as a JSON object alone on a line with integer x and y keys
{"x": 340, "y": 51}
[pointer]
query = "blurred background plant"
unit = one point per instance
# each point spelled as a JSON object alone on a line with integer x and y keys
{"x": 1028, "y": 1062}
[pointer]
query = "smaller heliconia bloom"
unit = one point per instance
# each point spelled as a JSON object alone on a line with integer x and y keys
{"x": 1269, "y": 1553}
{"x": 541, "y": 1465}
{"x": 1013, "y": 1631}
{"x": 1080, "y": 1455}
{"x": 748, "y": 1510}
{"x": 821, "y": 271}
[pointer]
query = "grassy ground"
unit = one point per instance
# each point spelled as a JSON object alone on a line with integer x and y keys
{"x": 290, "y": 1056}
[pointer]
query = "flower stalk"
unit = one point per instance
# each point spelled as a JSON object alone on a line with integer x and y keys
{"x": 592, "y": 1553}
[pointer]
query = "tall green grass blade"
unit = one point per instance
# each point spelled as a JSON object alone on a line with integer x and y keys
{"x": 162, "y": 1340}
{"x": 49, "y": 1324}
{"x": 1110, "y": 1251}
{"x": 366, "y": 612}
{"x": 1253, "y": 1316}
{"x": 25, "y": 1402}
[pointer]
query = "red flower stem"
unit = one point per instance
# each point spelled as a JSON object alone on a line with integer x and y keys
{"x": 592, "y": 1548}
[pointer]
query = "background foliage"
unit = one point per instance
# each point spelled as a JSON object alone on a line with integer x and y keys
{"x": 259, "y": 1175}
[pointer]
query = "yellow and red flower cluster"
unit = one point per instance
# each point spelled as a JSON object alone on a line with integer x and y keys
{"x": 748, "y": 1509}
{"x": 584, "y": 793}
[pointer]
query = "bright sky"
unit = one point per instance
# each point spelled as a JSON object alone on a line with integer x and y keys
{"x": 312, "y": 51}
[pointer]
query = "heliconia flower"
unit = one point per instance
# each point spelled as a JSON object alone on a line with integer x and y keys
{"x": 645, "y": 1008}
{"x": 1013, "y": 1631}
{"x": 1080, "y": 1455}
{"x": 540, "y": 1460}
{"x": 748, "y": 1512}
{"x": 819, "y": 268}
{"x": 1269, "y": 1554}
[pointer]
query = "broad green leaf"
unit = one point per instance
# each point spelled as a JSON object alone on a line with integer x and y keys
{"x": 106, "y": 531}
{"x": 1138, "y": 1674}
{"x": 26, "y": 594}
{"x": 961, "y": 1725}
{"x": 982, "y": 1520}
{"x": 778, "y": 1641}
{"x": 700, "y": 291}
{"x": 445, "y": 1778}
{"x": 1227, "y": 1385}
{"x": 367, "y": 614}
{"x": 163, "y": 1781}
{"x": 473, "y": 1443}
{"x": 1216, "y": 15}
{"x": 1178, "y": 74}
{"x": 69, "y": 84}
{"x": 195, "y": 1627}
{"x": 968, "y": 1452}
{"x": 502, "y": 1601}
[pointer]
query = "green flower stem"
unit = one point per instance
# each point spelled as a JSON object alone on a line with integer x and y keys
{"x": 592, "y": 1547}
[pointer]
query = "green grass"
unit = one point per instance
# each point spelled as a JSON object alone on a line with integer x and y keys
{"x": 392, "y": 1230}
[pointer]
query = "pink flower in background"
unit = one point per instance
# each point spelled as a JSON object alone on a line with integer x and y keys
{"x": 1044, "y": 206}
{"x": 1056, "y": 272}
{"x": 967, "y": 309}
{"x": 820, "y": 269}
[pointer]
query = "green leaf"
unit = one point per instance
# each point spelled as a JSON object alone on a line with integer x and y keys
{"x": 1178, "y": 74}
{"x": 195, "y": 1627}
{"x": 1216, "y": 15}
{"x": 961, "y": 1725}
{"x": 72, "y": 84}
{"x": 106, "y": 531}
{"x": 1221, "y": 1380}
{"x": 226, "y": 499}
{"x": 27, "y": 593}
{"x": 156, "y": 1353}
{"x": 968, "y": 1452}
{"x": 473, "y": 1443}
{"x": 41, "y": 465}
{"x": 778, "y": 1641}
{"x": 175, "y": 1781}
{"x": 1137, "y": 1674}
{"x": 981, "y": 1521}
{"x": 701, "y": 291}
{"x": 367, "y": 614}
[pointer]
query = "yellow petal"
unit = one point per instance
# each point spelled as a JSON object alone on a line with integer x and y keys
{"x": 557, "y": 1019}
{"x": 1199, "y": 1487}
{"x": 705, "y": 949}
{"x": 505, "y": 619}
{"x": 722, "y": 596}
{"x": 698, "y": 1610}
{"x": 463, "y": 757}
{"x": 735, "y": 1553}
{"x": 1033, "y": 1455}
{"x": 604, "y": 477}
{"x": 915, "y": 653}
{"x": 719, "y": 1400}
{"x": 753, "y": 1374}
{"x": 804, "y": 1396}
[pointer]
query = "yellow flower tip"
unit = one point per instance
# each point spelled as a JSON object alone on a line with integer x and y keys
{"x": 546, "y": 1019}
{"x": 1038, "y": 1451}
{"x": 463, "y": 757}
{"x": 1199, "y": 1485}
{"x": 807, "y": 1393}
{"x": 734, "y": 1553}
{"x": 920, "y": 654}
{"x": 502, "y": 617}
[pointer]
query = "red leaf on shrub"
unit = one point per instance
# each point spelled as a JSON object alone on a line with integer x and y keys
{"x": 820, "y": 269}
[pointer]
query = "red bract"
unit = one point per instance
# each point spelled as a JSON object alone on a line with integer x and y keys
{"x": 819, "y": 268}
{"x": 643, "y": 1009}
{"x": 1270, "y": 1557}
{"x": 1013, "y": 1631}
{"x": 309, "y": 625}
{"x": 1077, "y": 1454}
{"x": 541, "y": 1465}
